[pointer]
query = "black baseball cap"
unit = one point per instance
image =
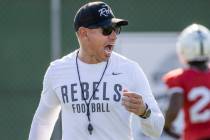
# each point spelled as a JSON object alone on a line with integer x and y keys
{"x": 96, "y": 14}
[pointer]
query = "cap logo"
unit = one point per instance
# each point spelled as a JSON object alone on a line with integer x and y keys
{"x": 105, "y": 11}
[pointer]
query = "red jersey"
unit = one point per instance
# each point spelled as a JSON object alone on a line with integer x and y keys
{"x": 195, "y": 86}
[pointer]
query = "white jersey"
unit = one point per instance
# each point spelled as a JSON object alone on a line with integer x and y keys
{"x": 110, "y": 120}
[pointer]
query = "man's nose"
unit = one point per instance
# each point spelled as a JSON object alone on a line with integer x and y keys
{"x": 113, "y": 35}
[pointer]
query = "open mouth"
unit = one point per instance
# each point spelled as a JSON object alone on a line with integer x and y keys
{"x": 108, "y": 48}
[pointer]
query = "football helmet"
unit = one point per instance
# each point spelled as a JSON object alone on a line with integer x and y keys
{"x": 193, "y": 44}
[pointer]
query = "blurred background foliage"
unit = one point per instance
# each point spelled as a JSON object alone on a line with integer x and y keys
{"x": 25, "y": 46}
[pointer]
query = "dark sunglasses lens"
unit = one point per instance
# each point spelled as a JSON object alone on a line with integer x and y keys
{"x": 117, "y": 30}
{"x": 107, "y": 31}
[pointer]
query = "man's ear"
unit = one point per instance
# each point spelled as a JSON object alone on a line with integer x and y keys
{"x": 82, "y": 32}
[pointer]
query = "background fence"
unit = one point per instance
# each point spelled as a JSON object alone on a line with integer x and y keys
{"x": 25, "y": 45}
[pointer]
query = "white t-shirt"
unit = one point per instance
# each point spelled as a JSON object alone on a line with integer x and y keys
{"x": 110, "y": 120}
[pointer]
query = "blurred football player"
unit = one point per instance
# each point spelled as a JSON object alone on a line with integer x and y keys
{"x": 190, "y": 86}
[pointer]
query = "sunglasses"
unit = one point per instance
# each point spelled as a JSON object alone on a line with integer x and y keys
{"x": 106, "y": 31}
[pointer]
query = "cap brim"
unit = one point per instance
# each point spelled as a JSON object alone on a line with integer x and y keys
{"x": 110, "y": 22}
{"x": 119, "y": 22}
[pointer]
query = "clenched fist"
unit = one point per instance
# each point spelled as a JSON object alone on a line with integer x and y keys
{"x": 133, "y": 102}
